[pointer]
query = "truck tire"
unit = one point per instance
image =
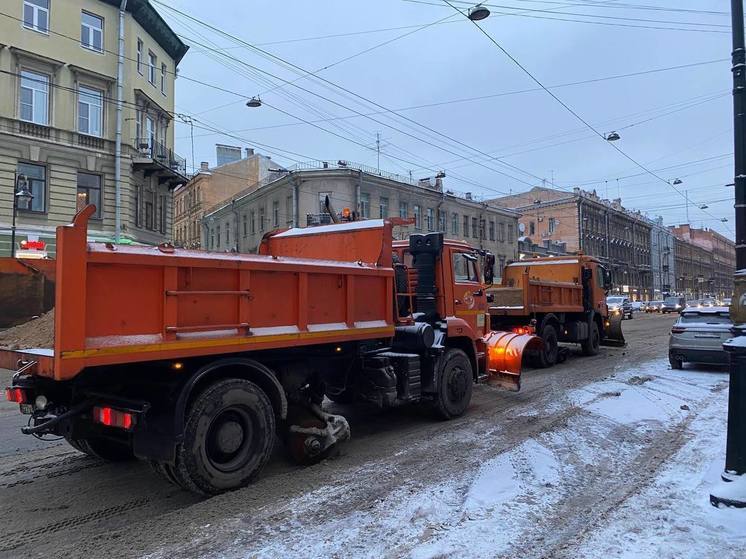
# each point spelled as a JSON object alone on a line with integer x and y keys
{"x": 455, "y": 380}
{"x": 593, "y": 342}
{"x": 548, "y": 357}
{"x": 104, "y": 449}
{"x": 228, "y": 438}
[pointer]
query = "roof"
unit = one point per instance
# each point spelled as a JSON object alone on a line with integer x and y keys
{"x": 146, "y": 15}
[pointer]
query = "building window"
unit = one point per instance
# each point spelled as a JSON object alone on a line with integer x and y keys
{"x": 36, "y": 15}
{"x": 417, "y": 217}
{"x": 245, "y": 226}
{"x": 138, "y": 210}
{"x": 511, "y": 237}
{"x": 163, "y": 214}
{"x": 228, "y": 234}
{"x": 383, "y": 207}
{"x": 36, "y": 178}
{"x": 474, "y": 232}
{"x": 532, "y": 228}
{"x": 217, "y": 237}
{"x": 501, "y": 232}
{"x": 482, "y": 229}
{"x": 322, "y": 201}
{"x": 34, "y": 97}
{"x": 276, "y": 213}
{"x": 149, "y": 212}
{"x": 492, "y": 229}
{"x": 92, "y": 32}
{"x": 466, "y": 226}
{"x": 441, "y": 221}
{"x": 253, "y": 222}
{"x": 552, "y": 225}
{"x": 261, "y": 219}
{"x": 430, "y": 219}
{"x": 212, "y": 239}
{"x": 403, "y": 210}
{"x": 152, "y": 65}
{"x": 454, "y": 224}
{"x": 89, "y": 192}
{"x": 139, "y": 57}
{"x": 90, "y": 111}
{"x": 163, "y": 78}
{"x": 289, "y": 213}
{"x": 365, "y": 205}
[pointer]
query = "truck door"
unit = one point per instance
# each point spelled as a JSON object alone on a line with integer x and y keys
{"x": 469, "y": 298}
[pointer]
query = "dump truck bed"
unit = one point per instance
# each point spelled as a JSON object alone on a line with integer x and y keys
{"x": 124, "y": 304}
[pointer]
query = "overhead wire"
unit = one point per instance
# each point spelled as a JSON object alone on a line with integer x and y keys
{"x": 566, "y": 106}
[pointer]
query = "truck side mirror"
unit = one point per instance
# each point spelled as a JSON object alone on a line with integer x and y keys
{"x": 607, "y": 280}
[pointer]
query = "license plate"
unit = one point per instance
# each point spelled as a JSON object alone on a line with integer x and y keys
{"x": 709, "y": 336}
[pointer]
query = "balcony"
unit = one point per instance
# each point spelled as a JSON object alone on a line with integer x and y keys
{"x": 156, "y": 159}
{"x": 318, "y": 219}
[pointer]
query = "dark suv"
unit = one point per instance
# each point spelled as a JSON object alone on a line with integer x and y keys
{"x": 673, "y": 304}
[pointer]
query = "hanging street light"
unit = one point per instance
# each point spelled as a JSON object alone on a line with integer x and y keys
{"x": 612, "y": 137}
{"x": 677, "y": 181}
{"x": 478, "y": 13}
{"x": 22, "y": 195}
{"x": 254, "y": 102}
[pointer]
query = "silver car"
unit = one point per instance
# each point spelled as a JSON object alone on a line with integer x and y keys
{"x": 697, "y": 336}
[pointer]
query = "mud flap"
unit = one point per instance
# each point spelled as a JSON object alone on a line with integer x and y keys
{"x": 613, "y": 335}
{"x": 504, "y": 352}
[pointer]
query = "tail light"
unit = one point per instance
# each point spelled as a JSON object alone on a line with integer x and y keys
{"x": 114, "y": 418}
{"x": 678, "y": 330}
{"x": 17, "y": 395}
{"x": 522, "y": 330}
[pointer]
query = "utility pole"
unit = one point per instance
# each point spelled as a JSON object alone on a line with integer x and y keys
{"x": 732, "y": 489}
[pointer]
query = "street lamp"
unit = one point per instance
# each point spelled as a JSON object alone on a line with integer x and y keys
{"x": 613, "y": 137}
{"x": 254, "y": 102}
{"x": 22, "y": 195}
{"x": 478, "y": 13}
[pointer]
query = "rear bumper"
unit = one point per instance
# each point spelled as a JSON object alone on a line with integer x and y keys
{"x": 699, "y": 355}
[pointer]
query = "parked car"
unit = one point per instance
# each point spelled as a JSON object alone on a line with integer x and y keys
{"x": 726, "y": 302}
{"x": 673, "y": 304}
{"x": 618, "y": 304}
{"x": 697, "y": 336}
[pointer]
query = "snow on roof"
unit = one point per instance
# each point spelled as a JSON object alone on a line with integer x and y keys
{"x": 333, "y": 228}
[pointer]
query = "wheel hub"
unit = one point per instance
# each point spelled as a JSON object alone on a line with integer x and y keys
{"x": 457, "y": 385}
{"x": 229, "y": 437}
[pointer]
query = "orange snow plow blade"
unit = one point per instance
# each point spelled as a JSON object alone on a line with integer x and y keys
{"x": 505, "y": 355}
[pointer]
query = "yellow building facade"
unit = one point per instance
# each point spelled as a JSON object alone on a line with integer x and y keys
{"x": 59, "y": 63}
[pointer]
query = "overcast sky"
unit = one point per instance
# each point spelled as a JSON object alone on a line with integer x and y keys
{"x": 676, "y": 123}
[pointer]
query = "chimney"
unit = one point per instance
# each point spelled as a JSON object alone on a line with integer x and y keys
{"x": 249, "y": 152}
{"x": 204, "y": 166}
{"x": 438, "y": 184}
{"x": 467, "y": 195}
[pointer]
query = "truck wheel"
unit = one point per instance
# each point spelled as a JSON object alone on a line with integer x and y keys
{"x": 455, "y": 382}
{"x": 228, "y": 438}
{"x": 675, "y": 363}
{"x": 548, "y": 357}
{"x": 590, "y": 346}
{"x": 104, "y": 449}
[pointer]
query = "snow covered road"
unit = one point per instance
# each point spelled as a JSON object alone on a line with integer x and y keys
{"x": 607, "y": 456}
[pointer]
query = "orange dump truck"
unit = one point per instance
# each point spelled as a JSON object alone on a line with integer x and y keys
{"x": 562, "y": 299}
{"x": 194, "y": 361}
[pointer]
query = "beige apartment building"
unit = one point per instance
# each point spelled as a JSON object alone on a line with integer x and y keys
{"x": 296, "y": 198}
{"x": 59, "y": 62}
{"x": 209, "y": 187}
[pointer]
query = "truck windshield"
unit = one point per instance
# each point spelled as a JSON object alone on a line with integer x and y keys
{"x": 673, "y": 300}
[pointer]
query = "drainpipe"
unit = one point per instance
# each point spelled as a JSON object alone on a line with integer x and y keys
{"x": 118, "y": 138}
{"x": 296, "y": 202}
